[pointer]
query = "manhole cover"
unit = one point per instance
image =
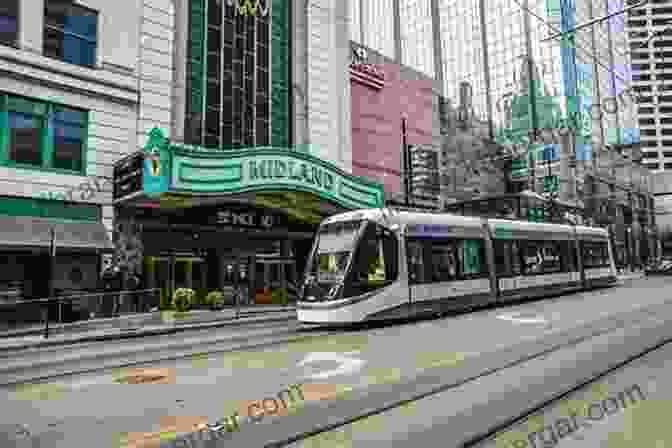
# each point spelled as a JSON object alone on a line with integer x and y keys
{"x": 149, "y": 376}
{"x": 141, "y": 379}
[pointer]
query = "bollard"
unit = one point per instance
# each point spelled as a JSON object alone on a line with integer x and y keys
{"x": 46, "y": 318}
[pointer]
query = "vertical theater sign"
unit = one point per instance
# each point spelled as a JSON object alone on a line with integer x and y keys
{"x": 250, "y": 8}
{"x": 363, "y": 72}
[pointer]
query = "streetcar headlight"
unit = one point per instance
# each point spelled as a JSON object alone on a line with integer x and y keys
{"x": 334, "y": 291}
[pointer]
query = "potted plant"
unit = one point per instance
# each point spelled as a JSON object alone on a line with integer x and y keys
{"x": 280, "y": 296}
{"x": 166, "y": 301}
{"x": 201, "y": 300}
{"x": 183, "y": 300}
{"x": 215, "y": 300}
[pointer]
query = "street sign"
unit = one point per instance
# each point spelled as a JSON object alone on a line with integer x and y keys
{"x": 551, "y": 184}
{"x": 535, "y": 215}
{"x": 518, "y": 168}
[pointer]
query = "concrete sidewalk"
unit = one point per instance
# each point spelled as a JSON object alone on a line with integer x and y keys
{"x": 156, "y": 323}
{"x": 631, "y": 275}
{"x": 138, "y": 325}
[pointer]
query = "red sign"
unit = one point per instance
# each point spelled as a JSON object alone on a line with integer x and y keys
{"x": 368, "y": 74}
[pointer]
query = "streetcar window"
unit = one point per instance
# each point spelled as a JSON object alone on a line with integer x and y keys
{"x": 516, "y": 265}
{"x": 595, "y": 254}
{"x": 568, "y": 256}
{"x": 551, "y": 257}
{"x": 444, "y": 262}
{"x": 507, "y": 258}
{"x": 416, "y": 263}
{"x": 334, "y": 247}
{"x": 376, "y": 261}
{"x": 473, "y": 260}
{"x": 503, "y": 254}
{"x": 533, "y": 258}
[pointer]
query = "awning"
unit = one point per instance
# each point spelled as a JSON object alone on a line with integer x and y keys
{"x": 36, "y": 232}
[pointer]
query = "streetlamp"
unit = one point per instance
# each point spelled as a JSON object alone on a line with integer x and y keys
{"x": 407, "y": 161}
{"x": 52, "y": 267}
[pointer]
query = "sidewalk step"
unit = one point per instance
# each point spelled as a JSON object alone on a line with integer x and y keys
{"x": 138, "y": 321}
{"x": 117, "y": 332}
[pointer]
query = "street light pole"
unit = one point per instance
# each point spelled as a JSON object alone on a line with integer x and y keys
{"x": 52, "y": 268}
{"x": 407, "y": 163}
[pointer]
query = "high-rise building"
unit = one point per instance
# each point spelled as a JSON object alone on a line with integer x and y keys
{"x": 562, "y": 102}
{"x": 649, "y": 31}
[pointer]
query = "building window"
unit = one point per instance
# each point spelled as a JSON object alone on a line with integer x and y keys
{"x": 69, "y": 131}
{"x": 42, "y": 135}
{"x": 9, "y": 22}
{"x": 70, "y": 32}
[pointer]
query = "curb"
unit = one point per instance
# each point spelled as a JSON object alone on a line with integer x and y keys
{"x": 105, "y": 323}
{"x": 135, "y": 333}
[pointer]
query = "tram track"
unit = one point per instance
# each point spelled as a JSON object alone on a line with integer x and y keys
{"x": 50, "y": 363}
{"x": 539, "y": 408}
{"x": 639, "y": 335}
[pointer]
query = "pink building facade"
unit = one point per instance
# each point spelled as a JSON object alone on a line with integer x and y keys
{"x": 381, "y": 99}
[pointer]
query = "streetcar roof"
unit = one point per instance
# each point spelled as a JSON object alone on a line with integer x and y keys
{"x": 403, "y": 218}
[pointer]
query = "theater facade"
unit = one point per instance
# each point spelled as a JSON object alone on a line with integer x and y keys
{"x": 210, "y": 219}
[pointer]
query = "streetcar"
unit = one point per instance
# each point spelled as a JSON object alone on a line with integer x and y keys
{"x": 380, "y": 264}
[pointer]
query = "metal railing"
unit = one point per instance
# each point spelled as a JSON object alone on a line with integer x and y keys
{"x": 97, "y": 304}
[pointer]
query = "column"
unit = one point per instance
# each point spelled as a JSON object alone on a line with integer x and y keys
{"x": 636, "y": 229}
{"x": 180, "y": 68}
{"x": 31, "y": 25}
{"x": 653, "y": 239}
{"x": 189, "y": 273}
{"x": 252, "y": 276}
{"x": 567, "y": 186}
{"x": 486, "y": 61}
{"x": 150, "y": 273}
{"x": 285, "y": 251}
{"x": 299, "y": 49}
{"x": 396, "y": 12}
{"x": 222, "y": 270}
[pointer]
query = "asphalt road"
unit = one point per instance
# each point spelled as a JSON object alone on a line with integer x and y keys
{"x": 627, "y": 408}
{"x": 96, "y": 410}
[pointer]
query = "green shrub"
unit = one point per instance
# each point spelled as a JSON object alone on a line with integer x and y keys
{"x": 215, "y": 299}
{"x": 201, "y": 297}
{"x": 183, "y": 299}
{"x": 166, "y": 301}
{"x": 280, "y": 296}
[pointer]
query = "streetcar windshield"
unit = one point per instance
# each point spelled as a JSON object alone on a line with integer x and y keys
{"x": 335, "y": 244}
{"x": 350, "y": 259}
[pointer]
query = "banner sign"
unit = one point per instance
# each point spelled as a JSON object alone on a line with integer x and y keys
{"x": 156, "y": 166}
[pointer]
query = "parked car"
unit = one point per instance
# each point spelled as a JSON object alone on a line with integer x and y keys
{"x": 661, "y": 267}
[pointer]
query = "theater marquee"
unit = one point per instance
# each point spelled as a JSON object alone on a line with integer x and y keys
{"x": 192, "y": 171}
